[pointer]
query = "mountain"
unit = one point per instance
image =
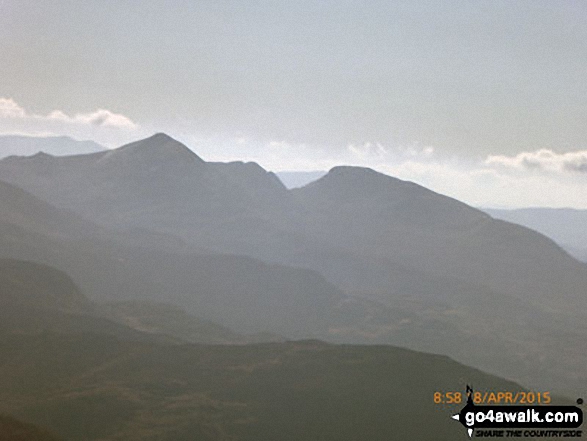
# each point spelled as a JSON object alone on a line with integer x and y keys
{"x": 566, "y": 226}
{"x": 355, "y": 256}
{"x": 370, "y": 213}
{"x": 159, "y": 184}
{"x": 297, "y": 179}
{"x": 52, "y": 145}
{"x": 156, "y": 184}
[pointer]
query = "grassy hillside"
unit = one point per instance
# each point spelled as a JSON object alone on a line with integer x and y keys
{"x": 40, "y": 286}
{"x": 166, "y": 319}
{"x": 12, "y": 429}
{"x": 90, "y": 387}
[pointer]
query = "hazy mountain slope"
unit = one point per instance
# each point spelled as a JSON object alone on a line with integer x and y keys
{"x": 374, "y": 214}
{"x": 239, "y": 292}
{"x": 23, "y": 210}
{"x": 37, "y": 299}
{"x": 251, "y": 177}
{"x": 93, "y": 387}
{"x": 52, "y": 145}
{"x": 566, "y": 226}
{"x": 167, "y": 319}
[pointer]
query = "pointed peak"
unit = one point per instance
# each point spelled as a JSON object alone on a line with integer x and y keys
{"x": 350, "y": 171}
{"x": 159, "y": 147}
{"x": 346, "y": 183}
{"x": 359, "y": 177}
{"x": 42, "y": 155}
{"x": 161, "y": 138}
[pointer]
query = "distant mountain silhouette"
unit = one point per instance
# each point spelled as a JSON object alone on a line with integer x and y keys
{"x": 156, "y": 182}
{"x": 354, "y": 256}
{"x": 52, "y": 145}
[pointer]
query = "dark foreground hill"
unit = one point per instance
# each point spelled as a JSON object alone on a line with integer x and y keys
{"x": 12, "y": 429}
{"x": 86, "y": 378}
{"x": 97, "y": 388}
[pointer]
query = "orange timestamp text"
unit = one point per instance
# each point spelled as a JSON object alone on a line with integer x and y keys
{"x": 497, "y": 397}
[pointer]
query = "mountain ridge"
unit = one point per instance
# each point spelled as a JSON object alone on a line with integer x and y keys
{"x": 158, "y": 147}
{"x": 356, "y": 256}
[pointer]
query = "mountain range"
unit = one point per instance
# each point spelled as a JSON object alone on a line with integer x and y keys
{"x": 354, "y": 257}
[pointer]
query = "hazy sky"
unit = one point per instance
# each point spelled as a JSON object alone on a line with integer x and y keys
{"x": 472, "y": 98}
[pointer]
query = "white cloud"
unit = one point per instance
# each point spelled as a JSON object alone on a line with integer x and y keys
{"x": 101, "y": 117}
{"x": 375, "y": 151}
{"x": 10, "y": 109}
{"x": 102, "y": 125}
{"x": 542, "y": 160}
